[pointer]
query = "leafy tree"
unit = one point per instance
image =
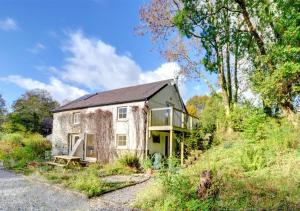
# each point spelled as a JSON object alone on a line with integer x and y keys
{"x": 219, "y": 34}
{"x": 33, "y": 110}
{"x": 212, "y": 41}
{"x": 2, "y": 110}
{"x": 196, "y": 104}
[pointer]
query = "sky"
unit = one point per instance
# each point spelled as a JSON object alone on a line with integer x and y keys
{"x": 75, "y": 47}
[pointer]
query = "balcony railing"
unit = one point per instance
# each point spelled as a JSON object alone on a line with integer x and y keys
{"x": 171, "y": 118}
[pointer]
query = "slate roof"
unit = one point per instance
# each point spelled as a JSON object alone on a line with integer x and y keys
{"x": 117, "y": 96}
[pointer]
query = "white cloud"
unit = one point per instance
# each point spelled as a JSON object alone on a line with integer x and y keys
{"x": 58, "y": 89}
{"x": 8, "y": 24}
{"x": 97, "y": 65}
{"x": 37, "y": 48}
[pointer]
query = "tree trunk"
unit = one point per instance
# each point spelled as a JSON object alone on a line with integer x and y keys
{"x": 253, "y": 31}
{"x": 236, "y": 82}
{"x": 288, "y": 111}
{"x": 229, "y": 82}
{"x": 222, "y": 79}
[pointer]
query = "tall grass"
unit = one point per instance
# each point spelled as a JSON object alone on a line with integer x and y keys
{"x": 17, "y": 150}
{"x": 248, "y": 173}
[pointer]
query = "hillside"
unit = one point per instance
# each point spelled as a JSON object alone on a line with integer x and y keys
{"x": 261, "y": 172}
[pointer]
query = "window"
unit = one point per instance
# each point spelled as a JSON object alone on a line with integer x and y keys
{"x": 76, "y": 118}
{"x": 156, "y": 139}
{"x": 121, "y": 140}
{"x": 122, "y": 112}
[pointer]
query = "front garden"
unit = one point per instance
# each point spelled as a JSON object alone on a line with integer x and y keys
{"x": 27, "y": 154}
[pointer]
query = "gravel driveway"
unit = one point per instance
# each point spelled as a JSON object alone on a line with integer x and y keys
{"x": 19, "y": 193}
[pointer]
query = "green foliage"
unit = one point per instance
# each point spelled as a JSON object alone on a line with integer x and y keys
{"x": 116, "y": 168}
{"x": 212, "y": 119}
{"x": 251, "y": 173}
{"x": 87, "y": 183}
{"x": 3, "y": 110}
{"x": 146, "y": 163}
{"x": 248, "y": 120}
{"x": 280, "y": 85}
{"x": 84, "y": 179}
{"x": 17, "y": 150}
{"x": 196, "y": 104}
{"x": 213, "y": 115}
{"x": 32, "y": 111}
{"x": 130, "y": 160}
{"x": 11, "y": 126}
{"x": 253, "y": 158}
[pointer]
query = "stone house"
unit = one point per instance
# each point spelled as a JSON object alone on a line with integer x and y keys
{"x": 142, "y": 119}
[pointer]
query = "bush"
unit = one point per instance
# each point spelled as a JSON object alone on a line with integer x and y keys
{"x": 253, "y": 158}
{"x": 17, "y": 150}
{"x": 89, "y": 184}
{"x": 130, "y": 160}
{"x": 15, "y": 138}
{"x": 258, "y": 168}
{"x": 146, "y": 163}
{"x": 38, "y": 145}
{"x": 116, "y": 168}
{"x": 246, "y": 119}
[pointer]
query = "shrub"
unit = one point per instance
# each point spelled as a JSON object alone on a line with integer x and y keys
{"x": 146, "y": 163}
{"x": 248, "y": 120}
{"x": 17, "y": 150}
{"x": 89, "y": 184}
{"x": 37, "y": 144}
{"x": 130, "y": 160}
{"x": 257, "y": 172}
{"x": 15, "y": 138}
{"x": 253, "y": 158}
{"x": 116, "y": 168}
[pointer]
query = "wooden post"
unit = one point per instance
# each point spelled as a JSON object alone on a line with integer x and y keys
{"x": 171, "y": 132}
{"x": 84, "y": 146}
{"x": 147, "y": 133}
{"x": 182, "y": 119}
{"x": 171, "y": 143}
{"x": 182, "y": 150}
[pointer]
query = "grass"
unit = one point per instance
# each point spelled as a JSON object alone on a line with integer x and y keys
{"x": 87, "y": 180}
{"x": 25, "y": 153}
{"x": 247, "y": 174}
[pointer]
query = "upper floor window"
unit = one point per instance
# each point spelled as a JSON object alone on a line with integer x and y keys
{"x": 122, "y": 113}
{"x": 76, "y": 118}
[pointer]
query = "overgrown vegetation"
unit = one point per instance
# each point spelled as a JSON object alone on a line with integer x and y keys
{"x": 87, "y": 180}
{"x": 17, "y": 150}
{"x": 254, "y": 167}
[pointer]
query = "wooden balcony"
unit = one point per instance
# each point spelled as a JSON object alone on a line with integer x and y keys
{"x": 170, "y": 118}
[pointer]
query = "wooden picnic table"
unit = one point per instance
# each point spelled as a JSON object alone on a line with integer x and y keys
{"x": 67, "y": 158}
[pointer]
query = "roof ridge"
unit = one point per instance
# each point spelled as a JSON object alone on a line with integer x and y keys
{"x": 126, "y": 87}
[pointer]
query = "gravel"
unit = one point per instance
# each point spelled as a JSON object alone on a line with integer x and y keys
{"x": 17, "y": 192}
{"x": 120, "y": 199}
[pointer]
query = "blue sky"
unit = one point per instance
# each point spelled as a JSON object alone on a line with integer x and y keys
{"x": 74, "y": 47}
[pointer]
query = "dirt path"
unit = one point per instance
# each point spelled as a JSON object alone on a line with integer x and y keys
{"x": 19, "y": 193}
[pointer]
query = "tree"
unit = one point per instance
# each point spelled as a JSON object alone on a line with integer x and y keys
{"x": 3, "y": 110}
{"x": 196, "y": 104}
{"x": 33, "y": 110}
{"x": 265, "y": 34}
{"x": 212, "y": 41}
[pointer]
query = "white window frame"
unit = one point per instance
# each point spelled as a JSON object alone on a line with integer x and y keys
{"x": 123, "y": 118}
{"x": 117, "y": 141}
{"x": 76, "y": 121}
